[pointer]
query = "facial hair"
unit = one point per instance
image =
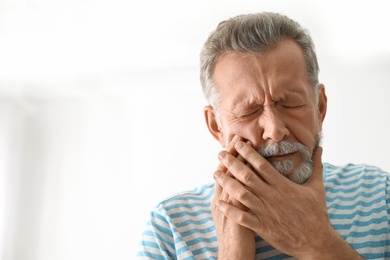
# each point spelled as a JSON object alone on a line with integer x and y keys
{"x": 286, "y": 167}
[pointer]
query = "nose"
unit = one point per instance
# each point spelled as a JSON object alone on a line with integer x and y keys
{"x": 274, "y": 127}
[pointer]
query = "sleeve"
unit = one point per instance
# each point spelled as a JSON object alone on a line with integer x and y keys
{"x": 157, "y": 240}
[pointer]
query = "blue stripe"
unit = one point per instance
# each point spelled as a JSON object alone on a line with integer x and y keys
{"x": 189, "y": 206}
{"x": 358, "y": 223}
{"x": 201, "y": 231}
{"x": 157, "y": 246}
{"x": 156, "y": 215}
{"x": 351, "y": 169}
{"x": 194, "y": 222}
{"x": 264, "y": 249}
{"x": 373, "y": 232}
{"x": 189, "y": 258}
{"x": 356, "y": 213}
{"x": 159, "y": 237}
{"x": 193, "y": 214}
{"x": 384, "y": 255}
{"x": 161, "y": 229}
{"x": 268, "y": 248}
{"x": 355, "y": 180}
{"x": 350, "y": 190}
{"x": 370, "y": 244}
{"x": 178, "y": 239}
{"x": 258, "y": 239}
{"x": 150, "y": 244}
{"x": 204, "y": 250}
{"x": 358, "y": 203}
{"x": 181, "y": 250}
{"x": 202, "y": 239}
{"x": 152, "y": 256}
{"x": 353, "y": 198}
{"x": 189, "y": 196}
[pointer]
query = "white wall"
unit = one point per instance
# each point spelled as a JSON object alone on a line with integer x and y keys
{"x": 101, "y": 113}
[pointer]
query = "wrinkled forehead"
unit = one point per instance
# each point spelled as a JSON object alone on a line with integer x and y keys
{"x": 278, "y": 71}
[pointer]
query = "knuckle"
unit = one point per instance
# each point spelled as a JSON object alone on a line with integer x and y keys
{"x": 261, "y": 167}
{"x": 247, "y": 177}
{"x": 229, "y": 161}
{"x": 285, "y": 189}
{"x": 243, "y": 194}
{"x": 243, "y": 218}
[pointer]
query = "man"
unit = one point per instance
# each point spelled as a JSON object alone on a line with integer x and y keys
{"x": 272, "y": 198}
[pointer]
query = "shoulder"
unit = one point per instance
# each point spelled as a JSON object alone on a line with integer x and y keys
{"x": 181, "y": 226}
{"x": 357, "y": 197}
{"x": 355, "y": 178}
{"x": 200, "y": 193}
{"x": 193, "y": 201}
{"x": 179, "y": 208}
{"x": 349, "y": 173}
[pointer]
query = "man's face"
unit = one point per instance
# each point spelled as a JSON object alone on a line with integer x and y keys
{"x": 266, "y": 99}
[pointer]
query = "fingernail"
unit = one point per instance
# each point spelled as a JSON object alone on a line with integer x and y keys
{"x": 217, "y": 174}
{"x": 222, "y": 154}
{"x": 239, "y": 145}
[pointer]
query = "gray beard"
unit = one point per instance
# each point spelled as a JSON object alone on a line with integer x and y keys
{"x": 286, "y": 167}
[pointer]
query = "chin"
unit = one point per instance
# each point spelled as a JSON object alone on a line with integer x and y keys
{"x": 298, "y": 174}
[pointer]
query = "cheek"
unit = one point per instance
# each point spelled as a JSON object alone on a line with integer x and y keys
{"x": 247, "y": 130}
{"x": 242, "y": 129}
{"x": 305, "y": 130}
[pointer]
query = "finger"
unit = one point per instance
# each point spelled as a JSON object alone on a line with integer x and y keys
{"x": 239, "y": 169}
{"x": 217, "y": 190}
{"x": 261, "y": 166}
{"x": 317, "y": 174}
{"x": 241, "y": 159}
{"x": 238, "y": 194}
{"x": 230, "y": 149}
{"x": 242, "y": 217}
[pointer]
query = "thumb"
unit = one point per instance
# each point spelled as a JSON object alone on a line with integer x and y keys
{"x": 316, "y": 175}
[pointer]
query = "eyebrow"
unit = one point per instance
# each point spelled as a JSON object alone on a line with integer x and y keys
{"x": 287, "y": 95}
{"x": 241, "y": 101}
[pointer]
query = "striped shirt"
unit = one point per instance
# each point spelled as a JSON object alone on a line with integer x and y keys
{"x": 358, "y": 204}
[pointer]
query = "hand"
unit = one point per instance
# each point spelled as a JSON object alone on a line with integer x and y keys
{"x": 234, "y": 241}
{"x": 289, "y": 216}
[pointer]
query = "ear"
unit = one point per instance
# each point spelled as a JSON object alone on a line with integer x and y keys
{"x": 322, "y": 102}
{"x": 212, "y": 124}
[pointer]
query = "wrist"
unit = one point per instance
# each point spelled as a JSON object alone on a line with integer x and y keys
{"x": 239, "y": 243}
{"x": 332, "y": 247}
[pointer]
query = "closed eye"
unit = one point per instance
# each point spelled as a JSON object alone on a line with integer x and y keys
{"x": 249, "y": 114}
{"x": 288, "y": 105}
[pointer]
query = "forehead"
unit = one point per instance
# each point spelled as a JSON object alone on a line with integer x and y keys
{"x": 280, "y": 69}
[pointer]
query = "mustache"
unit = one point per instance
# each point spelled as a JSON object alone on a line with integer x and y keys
{"x": 284, "y": 147}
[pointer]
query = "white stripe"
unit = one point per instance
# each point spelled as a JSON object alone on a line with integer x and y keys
{"x": 348, "y": 173}
{"x": 156, "y": 250}
{"x": 352, "y": 200}
{"x": 350, "y": 195}
{"x": 358, "y": 218}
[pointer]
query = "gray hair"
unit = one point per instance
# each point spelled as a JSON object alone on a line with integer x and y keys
{"x": 253, "y": 33}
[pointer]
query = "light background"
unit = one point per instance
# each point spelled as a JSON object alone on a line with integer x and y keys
{"x": 101, "y": 113}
